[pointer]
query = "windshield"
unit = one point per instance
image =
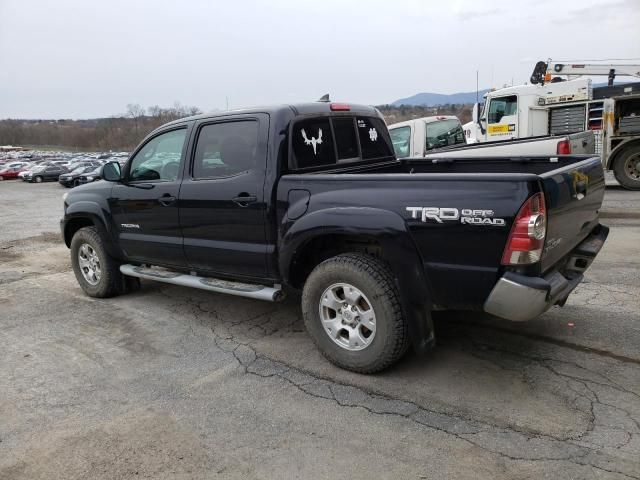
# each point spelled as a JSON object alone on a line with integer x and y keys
{"x": 444, "y": 133}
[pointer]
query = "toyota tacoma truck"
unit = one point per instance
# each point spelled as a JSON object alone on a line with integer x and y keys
{"x": 311, "y": 199}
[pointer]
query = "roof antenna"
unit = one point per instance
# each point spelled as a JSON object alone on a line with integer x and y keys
{"x": 324, "y": 98}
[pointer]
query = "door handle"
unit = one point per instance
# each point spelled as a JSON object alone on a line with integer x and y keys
{"x": 244, "y": 199}
{"x": 167, "y": 200}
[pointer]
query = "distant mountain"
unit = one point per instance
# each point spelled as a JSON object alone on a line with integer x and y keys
{"x": 428, "y": 99}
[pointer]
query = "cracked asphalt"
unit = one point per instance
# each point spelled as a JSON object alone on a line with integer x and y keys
{"x": 171, "y": 382}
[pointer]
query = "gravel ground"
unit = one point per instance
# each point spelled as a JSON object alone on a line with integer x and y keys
{"x": 171, "y": 382}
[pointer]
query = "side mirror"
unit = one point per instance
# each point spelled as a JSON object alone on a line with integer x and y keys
{"x": 475, "y": 116}
{"x": 111, "y": 172}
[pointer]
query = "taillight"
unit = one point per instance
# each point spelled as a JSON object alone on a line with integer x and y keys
{"x": 528, "y": 232}
{"x": 339, "y": 107}
{"x": 564, "y": 147}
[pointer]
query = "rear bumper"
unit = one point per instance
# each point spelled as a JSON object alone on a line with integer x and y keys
{"x": 520, "y": 298}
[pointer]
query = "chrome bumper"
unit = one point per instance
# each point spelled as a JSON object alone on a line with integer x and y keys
{"x": 521, "y": 298}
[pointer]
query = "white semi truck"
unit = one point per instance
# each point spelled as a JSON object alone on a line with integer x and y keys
{"x": 551, "y": 105}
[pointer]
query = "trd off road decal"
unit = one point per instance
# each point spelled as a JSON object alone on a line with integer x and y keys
{"x": 313, "y": 141}
{"x": 466, "y": 216}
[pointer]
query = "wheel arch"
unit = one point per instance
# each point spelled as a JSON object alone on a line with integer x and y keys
{"x": 376, "y": 232}
{"x": 87, "y": 214}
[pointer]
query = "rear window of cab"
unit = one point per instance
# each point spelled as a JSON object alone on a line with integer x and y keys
{"x": 332, "y": 140}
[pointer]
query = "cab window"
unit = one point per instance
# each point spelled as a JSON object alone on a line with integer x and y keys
{"x": 159, "y": 159}
{"x": 501, "y": 107}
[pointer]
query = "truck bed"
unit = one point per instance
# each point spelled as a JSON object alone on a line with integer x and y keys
{"x": 454, "y": 253}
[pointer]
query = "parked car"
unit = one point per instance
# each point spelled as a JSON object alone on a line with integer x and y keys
{"x": 72, "y": 178}
{"x": 31, "y": 166}
{"x": 310, "y": 198}
{"x": 91, "y": 176}
{"x": 45, "y": 173}
{"x": 11, "y": 170}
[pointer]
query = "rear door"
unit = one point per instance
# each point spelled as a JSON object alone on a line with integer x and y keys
{"x": 573, "y": 196}
{"x": 222, "y": 199}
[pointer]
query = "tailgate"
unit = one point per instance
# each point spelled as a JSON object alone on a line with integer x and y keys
{"x": 583, "y": 143}
{"x": 573, "y": 196}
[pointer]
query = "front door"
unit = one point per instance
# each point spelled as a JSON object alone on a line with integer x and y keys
{"x": 145, "y": 204}
{"x": 502, "y": 118}
{"x": 222, "y": 203}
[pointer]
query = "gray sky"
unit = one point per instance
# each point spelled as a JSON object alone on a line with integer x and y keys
{"x": 82, "y": 59}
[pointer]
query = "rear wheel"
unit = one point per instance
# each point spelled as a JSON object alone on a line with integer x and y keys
{"x": 97, "y": 273}
{"x": 626, "y": 168}
{"x": 352, "y": 311}
{"x": 1, "y": 178}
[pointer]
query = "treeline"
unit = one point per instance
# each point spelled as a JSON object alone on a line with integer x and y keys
{"x": 395, "y": 114}
{"x": 124, "y": 132}
{"x": 121, "y": 132}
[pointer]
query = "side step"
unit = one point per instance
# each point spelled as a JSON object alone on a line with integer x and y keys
{"x": 260, "y": 292}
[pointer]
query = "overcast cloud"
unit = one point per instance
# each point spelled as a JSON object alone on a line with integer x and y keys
{"x": 83, "y": 59}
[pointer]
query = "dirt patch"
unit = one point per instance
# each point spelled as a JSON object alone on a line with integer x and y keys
{"x": 145, "y": 445}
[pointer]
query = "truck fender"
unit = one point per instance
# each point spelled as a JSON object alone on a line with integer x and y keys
{"x": 389, "y": 230}
{"x": 87, "y": 210}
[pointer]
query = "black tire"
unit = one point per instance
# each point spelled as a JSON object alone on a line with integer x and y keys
{"x": 111, "y": 282}
{"x": 624, "y": 169}
{"x": 37, "y": 179}
{"x": 375, "y": 281}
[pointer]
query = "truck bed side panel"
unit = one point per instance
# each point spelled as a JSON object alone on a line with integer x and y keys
{"x": 461, "y": 260}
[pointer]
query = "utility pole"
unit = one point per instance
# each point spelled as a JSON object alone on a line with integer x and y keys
{"x": 227, "y": 99}
{"x": 476, "y": 86}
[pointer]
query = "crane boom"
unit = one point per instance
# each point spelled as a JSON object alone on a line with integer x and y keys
{"x": 544, "y": 70}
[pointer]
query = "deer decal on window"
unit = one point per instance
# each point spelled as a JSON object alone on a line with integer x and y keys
{"x": 314, "y": 142}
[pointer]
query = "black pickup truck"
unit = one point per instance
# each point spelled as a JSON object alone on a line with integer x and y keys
{"x": 310, "y": 198}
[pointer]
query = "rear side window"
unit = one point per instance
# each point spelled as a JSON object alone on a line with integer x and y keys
{"x": 313, "y": 143}
{"x": 444, "y": 133}
{"x": 226, "y": 149}
{"x": 400, "y": 137}
{"x": 327, "y": 141}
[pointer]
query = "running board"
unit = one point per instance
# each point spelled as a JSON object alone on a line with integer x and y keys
{"x": 260, "y": 292}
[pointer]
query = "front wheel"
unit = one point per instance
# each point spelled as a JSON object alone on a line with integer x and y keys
{"x": 97, "y": 273}
{"x": 352, "y": 311}
{"x": 627, "y": 168}
{"x": 38, "y": 179}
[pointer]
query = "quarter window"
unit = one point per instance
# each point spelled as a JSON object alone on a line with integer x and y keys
{"x": 226, "y": 149}
{"x": 159, "y": 159}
